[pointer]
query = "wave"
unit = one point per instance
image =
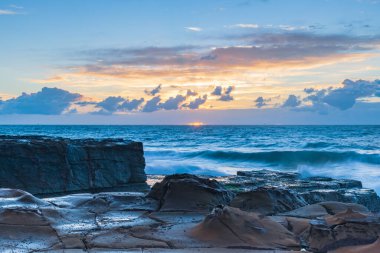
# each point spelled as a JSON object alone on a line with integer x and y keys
{"x": 317, "y": 145}
{"x": 288, "y": 157}
{"x": 172, "y": 168}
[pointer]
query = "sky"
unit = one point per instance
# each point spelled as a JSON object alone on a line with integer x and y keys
{"x": 176, "y": 62}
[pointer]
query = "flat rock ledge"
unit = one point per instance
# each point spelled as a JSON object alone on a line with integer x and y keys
{"x": 50, "y": 166}
{"x": 186, "y": 213}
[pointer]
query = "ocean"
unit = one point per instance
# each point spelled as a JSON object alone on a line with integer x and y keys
{"x": 334, "y": 151}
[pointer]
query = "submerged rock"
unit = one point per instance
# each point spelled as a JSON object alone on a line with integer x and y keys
{"x": 185, "y": 192}
{"x": 46, "y": 165}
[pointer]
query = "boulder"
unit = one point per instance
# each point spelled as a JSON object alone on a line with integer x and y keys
{"x": 47, "y": 165}
{"x": 231, "y": 227}
{"x": 185, "y": 192}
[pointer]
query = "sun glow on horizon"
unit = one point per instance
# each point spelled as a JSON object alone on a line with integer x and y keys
{"x": 196, "y": 123}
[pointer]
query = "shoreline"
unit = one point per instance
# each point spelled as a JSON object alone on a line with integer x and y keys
{"x": 253, "y": 211}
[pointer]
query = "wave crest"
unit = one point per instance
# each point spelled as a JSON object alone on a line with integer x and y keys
{"x": 288, "y": 157}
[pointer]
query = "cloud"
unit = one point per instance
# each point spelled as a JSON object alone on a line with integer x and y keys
{"x": 272, "y": 27}
{"x": 246, "y": 26}
{"x": 292, "y": 28}
{"x": 54, "y": 101}
{"x": 16, "y": 6}
{"x": 111, "y": 104}
{"x": 194, "y": 29}
{"x": 190, "y": 93}
{"x": 197, "y": 102}
{"x": 116, "y": 104}
{"x": 173, "y": 103}
{"x": 217, "y": 91}
{"x": 252, "y": 49}
{"x": 154, "y": 91}
{"x": 309, "y": 90}
{"x": 152, "y": 105}
{"x": 273, "y": 49}
{"x": 48, "y": 101}
{"x": 85, "y": 103}
{"x": 225, "y": 94}
{"x": 291, "y": 101}
{"x": 131, "y": 105}
{"x": 342, "y": 98}
{"x": 261, "y": 102}
{"x": 345, "y": 97}
{"x": 7, "y": 12}
{"x": 235, "y": 56}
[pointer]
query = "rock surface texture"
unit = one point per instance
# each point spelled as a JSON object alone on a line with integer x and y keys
{"x": 44, "y": 165}
{"x": 185, "y": 213}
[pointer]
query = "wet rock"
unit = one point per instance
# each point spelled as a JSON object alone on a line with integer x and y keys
{"x": 107, "y": 222}
{"x": 25, "y": 229}
{"x": 133, "y": 201}
{"x": 174, "y": 216}
{"x": 46, "y": 165}
{"x": 268, "y": 200}
{"x": 309, "y": 212}
{"x": 368, "y": 248}
{"x": 185, "y": 192}
{"x": 323, "y": 209}
{"x": 231, "y": 227}
{"x": 120, "y": 238}
{"x": 312, "y": 189}
{"x": 333, "y": 207}
{"x": 15, "y": 198}
{"x": 366, "y": 197}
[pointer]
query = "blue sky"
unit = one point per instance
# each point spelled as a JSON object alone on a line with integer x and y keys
{"x": 100, "y": 59}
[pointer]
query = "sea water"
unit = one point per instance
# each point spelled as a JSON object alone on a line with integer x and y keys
{"x": 334, "y": 151}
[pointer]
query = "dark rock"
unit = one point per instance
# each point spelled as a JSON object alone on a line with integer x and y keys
{"x": 44, "y": 165}
{"x": 185, "y": 192}
{"x": 268, "y": 200}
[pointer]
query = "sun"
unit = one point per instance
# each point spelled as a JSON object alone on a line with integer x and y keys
{"x": 195, "y": 123}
